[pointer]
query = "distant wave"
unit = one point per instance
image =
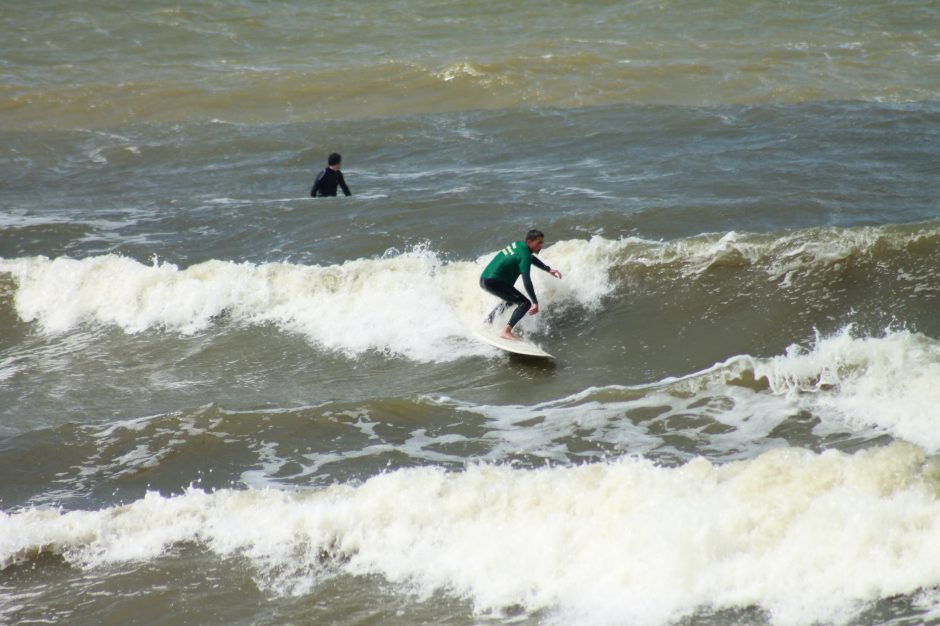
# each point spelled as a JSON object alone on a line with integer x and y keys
{"x": 782, "y": 256}
{"x": 564, "y": 73}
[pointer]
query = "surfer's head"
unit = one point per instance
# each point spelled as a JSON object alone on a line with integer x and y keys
{"x": 334, "y": 160}
{"x": 535, "y": 239}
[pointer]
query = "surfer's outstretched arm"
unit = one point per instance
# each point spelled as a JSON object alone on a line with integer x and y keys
{"x": 545, "y": 268}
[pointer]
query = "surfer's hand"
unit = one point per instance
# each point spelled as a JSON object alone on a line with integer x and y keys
{"x": 555, "y": 273}
{"x": 534, "y": 309}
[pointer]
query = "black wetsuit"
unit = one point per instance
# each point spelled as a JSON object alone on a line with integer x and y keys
{"x": 326, "y": 183}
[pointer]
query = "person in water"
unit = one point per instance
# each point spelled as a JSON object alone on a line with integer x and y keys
{"x": 330, "y": 178}
{"x": 500, "y": 275}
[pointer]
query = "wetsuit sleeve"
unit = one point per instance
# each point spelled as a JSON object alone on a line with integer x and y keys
{"x": 527, "y": 281}
{"x": 316, "y": 185}
{"x": 342, "y": 183}
{"x": 537, "y": 263}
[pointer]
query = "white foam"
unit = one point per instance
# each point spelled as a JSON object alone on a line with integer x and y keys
{"x": 808, "y": 537}
{"x": 889, "y": 382}
{"x": 870, "y": 385}
{"x": 865, "y": 385}
{"x": 409, "y": 304}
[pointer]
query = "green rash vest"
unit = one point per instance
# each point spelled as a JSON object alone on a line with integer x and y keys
{"x": 509, "y": 263}
{"x": 512, "y": 261}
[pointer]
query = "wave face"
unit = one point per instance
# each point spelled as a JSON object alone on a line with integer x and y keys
{"x": 429, "y": 306}
{"x": 430, "y": 303}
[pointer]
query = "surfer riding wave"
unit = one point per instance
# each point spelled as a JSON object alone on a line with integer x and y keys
{"x": 499, "y": 278}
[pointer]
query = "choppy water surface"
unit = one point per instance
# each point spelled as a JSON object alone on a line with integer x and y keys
{"x": 222, "y": 401}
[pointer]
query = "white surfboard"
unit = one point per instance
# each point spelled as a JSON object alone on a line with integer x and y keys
{"x": 516, "y": 347}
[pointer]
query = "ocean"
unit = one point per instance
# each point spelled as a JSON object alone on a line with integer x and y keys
{"x": 225, "y": 402}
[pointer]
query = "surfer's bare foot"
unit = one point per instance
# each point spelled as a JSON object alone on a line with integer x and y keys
{"x": 507, "y": 334}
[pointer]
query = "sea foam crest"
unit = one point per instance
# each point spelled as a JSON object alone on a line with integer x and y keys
{"x": 783, "y": 257}
{"x": 885, "y": 384}
{"x": 868, "y": 386}
{"x": 889, "y": 382}
{"x": 413, "y": 304}
{"x": 807, "y": 537}
{"x": 410, "y": 304}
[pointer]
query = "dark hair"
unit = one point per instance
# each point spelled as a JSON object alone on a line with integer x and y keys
{"x": 534, "y": 234}
{"x": 334, "y": 159}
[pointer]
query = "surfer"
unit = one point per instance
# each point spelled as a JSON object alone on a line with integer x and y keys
{"x": 330, "y": 178}
{"x": 500, "y": 275}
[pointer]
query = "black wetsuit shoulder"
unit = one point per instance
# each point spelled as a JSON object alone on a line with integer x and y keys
{"x": 326, "y": 183}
